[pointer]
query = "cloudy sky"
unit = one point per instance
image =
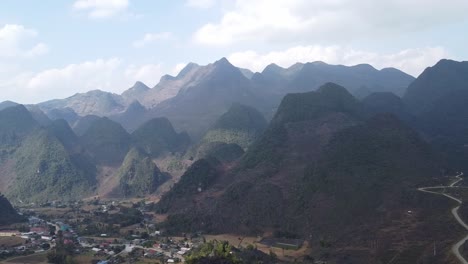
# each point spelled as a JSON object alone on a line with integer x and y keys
{"x": 54, "y": 49}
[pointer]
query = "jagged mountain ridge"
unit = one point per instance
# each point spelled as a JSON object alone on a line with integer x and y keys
{"x": 50, "y": 162}
{"x": 321, "y": 169}
{"x": 178, "y": 97}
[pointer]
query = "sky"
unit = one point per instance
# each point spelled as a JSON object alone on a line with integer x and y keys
{"x": 53, "y": 49}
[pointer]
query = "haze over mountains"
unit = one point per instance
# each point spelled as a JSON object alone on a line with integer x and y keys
{"x": 178, "y": 97}
{"x": 314, "y": 151}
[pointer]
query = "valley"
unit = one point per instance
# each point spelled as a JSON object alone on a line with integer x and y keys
{"x": 285, "y": 165}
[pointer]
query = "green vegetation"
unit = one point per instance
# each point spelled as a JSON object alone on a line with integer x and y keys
{"x": 213, "y": 252}
{"x": 221, "y": 151}
{"x": 157, "y": 136}
{"x": 307, "y": 106}
{"x": 106, "y": 223}
{"x": 107, "y": 141}
{"x": 222, "y": 252}
{"x": 240, "y": 125}
{"x": 62, "y": 131}
{"x": 62, "y": 253}
{"x": 364, "y": 165}
{"x": 15, "y": 124}
{"x": 239, "y": 137}
{"x": 197, "y": 178}
{"x": 45, "y": 171}
{"x": 330, "y": 98}
{"x": 138, "y": 174}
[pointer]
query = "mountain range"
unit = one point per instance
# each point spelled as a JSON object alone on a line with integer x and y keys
{"x": 178, "y": 97}
{"x": 327, "y": 153}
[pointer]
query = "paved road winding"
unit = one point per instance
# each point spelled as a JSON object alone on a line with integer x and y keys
{"x": 456, "y": 247}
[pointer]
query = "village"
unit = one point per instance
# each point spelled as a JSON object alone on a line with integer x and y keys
{"x": 103, "y": 232}
{"x": 131, "y": 241}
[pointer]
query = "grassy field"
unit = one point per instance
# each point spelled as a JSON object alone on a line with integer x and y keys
{"x": 84, "y": 258}
{"x": 11, "y": 241}
{"x": 36, "y": 259}
{"x": 285, "y": 255}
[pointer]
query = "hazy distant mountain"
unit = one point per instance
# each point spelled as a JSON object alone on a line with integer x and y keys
{"x": 107, "y": 141}
{"x": 138, "y": 175}
{"x": 386, "y": 102}
{"x": 276, "y": 76}
{"x": 310, "y": 76}
{"x": 167, "y": 87}
{"x": 135, "y": 93}
{"x": 247, "y": 73}
{"x": 6, "y": 104}
{"x": 354, "y": 77}
{"x": 15, "y": 124}
{"x": 215, "y": 88}
{"x": 445, "y": 77}
{"x": 240, "y": 125}
{"x": 66, "y": 113}
{"x": 218, "y": 85}
{"x": 157, "y": 137}
{"x": 131, "y": 117}
{"x": 38, "y": 115}
{"x": 94, "y": 102}
{"x": 83, "y": 123}
{"x": 62, "y": 130}
{"x": 237, "y": 128}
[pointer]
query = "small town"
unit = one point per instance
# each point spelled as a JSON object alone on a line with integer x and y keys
{"x": 140, "y": 241}
{"x": 84, "y": 232}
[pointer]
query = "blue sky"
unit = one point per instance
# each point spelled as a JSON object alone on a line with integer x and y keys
{"x": 54, "y": 49}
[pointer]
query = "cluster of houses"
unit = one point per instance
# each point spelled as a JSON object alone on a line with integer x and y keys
{"x": 42, "y": 235}
{"x": 37, "y": 239}
{"x": 168, "y": 250}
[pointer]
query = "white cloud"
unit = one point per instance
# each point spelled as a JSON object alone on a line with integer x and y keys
{"x": 82, "y": 77}
{"x": 202, "y": 4}
{"x": 101, "y": 8}
{"x": 412, "y": 61}
{"x": 112, "y": 75}
{"x": 148, "y": 73}
{"x": 18, "y": 41}
{"x": 149, "y": 38}
{"x": 317, "y": 20}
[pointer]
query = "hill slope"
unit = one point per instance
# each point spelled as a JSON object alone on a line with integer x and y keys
{"x": 157, "y": 136}
{"x": 46, "y": 171}
{"x": 385, "y": 102}
{"x": 9, "y": 214}
{"x": 107, "y": 141}
{"x": 94, "y": 102}
{"x": 138, "y": 175}
{"x": 240, "y": 125}
{"x": 320, "y": 169}
{"x": 434, "y": 83}
{"x": 15, "y": 123}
